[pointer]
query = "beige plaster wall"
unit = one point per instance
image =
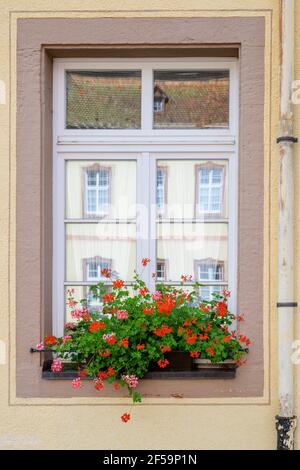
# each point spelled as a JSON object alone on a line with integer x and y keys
{"x": 87, "y": 422}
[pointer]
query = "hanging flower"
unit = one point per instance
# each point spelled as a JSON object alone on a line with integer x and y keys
{"x": 76, "y": 383}
{"x": 125, "y": 417}
{"x": 145, "y": 261}
{"x": 131, "y": 380}
{"x": 162, "y": 363}
{"x": 194, "y": 354}
{"x": 57, "y": 365}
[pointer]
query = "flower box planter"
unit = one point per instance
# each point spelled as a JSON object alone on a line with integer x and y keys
{"x": 202, "y": 369}
{"x": 178, "y": 361}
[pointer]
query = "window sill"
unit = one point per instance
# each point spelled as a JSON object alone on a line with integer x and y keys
{"x": 207, "y": 371}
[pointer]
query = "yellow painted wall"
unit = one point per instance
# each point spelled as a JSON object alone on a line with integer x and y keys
{"x": 80, "y": 423}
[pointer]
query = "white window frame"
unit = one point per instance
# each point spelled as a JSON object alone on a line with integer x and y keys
{"x": 146, "y": 146}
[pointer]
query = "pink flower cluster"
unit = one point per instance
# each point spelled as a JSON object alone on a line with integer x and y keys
{"x": 40, "y": 346}
{"x": 79, "y": 313}
{"x": 66, "y": 338}
{"x": 122, "y": 314}
{"x": 108, "y": 336}
{"x": 76, "y": 383}
{"x": 57, "y": 365}
{"x": 131, "y": 380}
{"x": 157, "y": 295}
{"x": 70, "y": 326}
{"x": 226, "y": 293}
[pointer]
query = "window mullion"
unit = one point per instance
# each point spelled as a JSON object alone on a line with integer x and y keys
{"x": 147, "y": 99}
{"x": 152, "y": 220}
{"x": 142, "y": 224}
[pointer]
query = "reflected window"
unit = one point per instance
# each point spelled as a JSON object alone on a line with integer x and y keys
{"x": 94, "y": 271}
{"x": 161, "y": 270}
{"x": 161, "y": 189}
{"x": 210, "y": 190}
{"x": 97, "y": 191}
{"x": 209, "y": 270}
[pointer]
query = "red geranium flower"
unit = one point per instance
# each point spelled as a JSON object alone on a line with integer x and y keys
{"x": 186, "y": 277}
{"x": 118, "y": 284}
{"x": 244, "y": 339}
{"x": 125, "y": 342}
{"x": 191, "y": 339}
{"x": 140, "y": 346}
{"x": 99, "y": 385}
{"x": 111, "y": 372}
{"x": 163, "y": 330}
{"x": 204, "y": 308}
{"x": 111, "y": 341}
{"x": 194, "y": 354}
{"x": 125, "y": 417}
{"x": 148, "y": 311}
{"x": 222, "y": 309}
{"x": 210, "y": 351}
{"x": 102, "y": 375}
{"x": 166, "y": 304}
{"x": 104, "y": 353}
{"x": 106, "y": 273}
{"x": 165, "y": 349}
{"x": 203, "y": 337}
{"x": 81, "y": 373}
{"x": 50, "y": 340}
{"x": 145, "y": 261}
{"x": 108, "y": 297}
{"x": 162, "y": 363}
{"x": 96, "y": 326}
{"x": 143, "y": 291}
{"x": 226, "y": 339}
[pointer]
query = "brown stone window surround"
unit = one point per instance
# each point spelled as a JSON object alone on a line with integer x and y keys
{"x": 38, "y": 41}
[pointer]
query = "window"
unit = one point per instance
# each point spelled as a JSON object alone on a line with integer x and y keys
{"x": 151, "y": 176}
{"x": 97, "y": 191}
{"x": 209, "y": 272}
{"x": 93, "y": 272}
{"x": 93, "y": 268}
{"x": 161, "y": 270}
{"x": 158, "y": 105}
{"x": 161, "y": 189}
{"x": 210, "y": 190}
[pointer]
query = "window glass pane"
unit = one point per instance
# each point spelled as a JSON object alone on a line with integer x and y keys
{"x": 191, "y": 99}
{"x": 183, "y": 244}
{"x": 189, "y": 190}
{"x": 109, "y": 244}
{"x": 101, "y": 188}
{"x": 103, "y": 100}
{"x": 186, "y": 243}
